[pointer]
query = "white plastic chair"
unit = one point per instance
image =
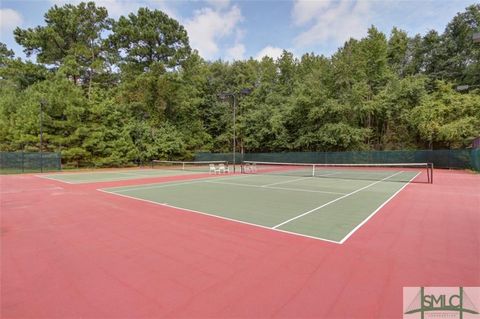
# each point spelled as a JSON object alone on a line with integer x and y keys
{"x": 223, "y": 169}
{"x": 250, "y": 168}
{"x": 213, "y": 169}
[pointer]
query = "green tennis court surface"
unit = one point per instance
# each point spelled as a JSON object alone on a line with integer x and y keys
{"x": 324, "y": 208}
{"x": 92, "y": 177}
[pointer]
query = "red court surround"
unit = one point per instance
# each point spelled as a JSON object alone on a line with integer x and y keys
{"x": 70, "y": 251}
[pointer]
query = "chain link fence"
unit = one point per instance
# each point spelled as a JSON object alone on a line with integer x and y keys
{"x": 26, "y": 162}
{"x": 458, "y": 159}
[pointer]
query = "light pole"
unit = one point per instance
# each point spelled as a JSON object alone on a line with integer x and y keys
{"x": 465, "y": 87}
{"x": 234, "y": 96}
{"x": 42, "y": 104}
{"x": 476, "y": 37}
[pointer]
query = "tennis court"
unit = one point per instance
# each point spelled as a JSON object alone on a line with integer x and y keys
{"x": 277, "y": 240}
{"x": 158, "y": 169}
{"x": 285, "y": 199}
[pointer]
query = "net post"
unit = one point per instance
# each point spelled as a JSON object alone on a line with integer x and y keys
{"x": 313, "y": 170}
{"x": 431, "y": 173}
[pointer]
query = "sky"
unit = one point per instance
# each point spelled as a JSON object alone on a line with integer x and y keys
{"x": 236, "y": 30}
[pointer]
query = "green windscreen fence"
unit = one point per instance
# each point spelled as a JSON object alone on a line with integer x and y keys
{"x": 459, "y": 159}
{"x": 476, "y": 159}
{"x": 25, "y": 162}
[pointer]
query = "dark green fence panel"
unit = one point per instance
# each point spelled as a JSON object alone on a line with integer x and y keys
{"x": 476, "y": 159}
{"x": 204, "y": 156}
{"x": 287, "y": 157}
{"x": 461, "y": 159}
{"x": 23, "y": 162}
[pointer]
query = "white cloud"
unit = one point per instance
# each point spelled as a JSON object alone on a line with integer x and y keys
{"x": 236, "y": 52}
{"x": 304, "y": 11}
{"x": 332, "y": 21}
{"x": 269, "y": 51}
{"x": 9, "y": 20}
{"x": 208, "y": 26}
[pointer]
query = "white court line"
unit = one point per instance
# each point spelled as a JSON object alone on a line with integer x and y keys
{"x": 100, "y": 171}
{"x": 272, "y": 228}
{"x": 126, "y": 173}
{"x": 106, "y": 179}
{"x": 221, "y": 217}
{"x": 168, "y": 184}
{"x": 340, "y": 178}
{"x": 86, "y": 181}
{"x": 285, "y": 182}
{"x": 54, "y": 179}
{"x": 163, "y": 185}
{"x": 375, "y": 211}
{"x": 137, "y": 172}
{"x": 270, "y": 187}
{"x": 333, "y": 201}
{"x": 330, "y": 174}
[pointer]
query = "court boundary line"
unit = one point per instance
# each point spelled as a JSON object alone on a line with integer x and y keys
{"x": 53, "y": 179}
{"x": 278, "y": 188}
{"x": 285, "y": 182}
{"x": 87, "y": 182}
{"x": 170, "y": 183}
{"x": 98, "y": 170}
{"x": 376, "y": 210}
{"x": 140, "y": 176}
{"x": 342, "y": 241}
{"x": 335, "y": 200}
{"x": 327, "y": 175}
{"x": 220, "y": 217}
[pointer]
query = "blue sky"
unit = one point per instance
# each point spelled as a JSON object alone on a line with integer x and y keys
{"x": 234, "y": 30}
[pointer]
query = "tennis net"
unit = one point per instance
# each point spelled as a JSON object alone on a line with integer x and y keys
{"x": 398, "y": 172}
{"x": 194, "y": 166}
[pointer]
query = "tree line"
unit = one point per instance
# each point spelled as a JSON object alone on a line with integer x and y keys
{"x": 116, "y": 92}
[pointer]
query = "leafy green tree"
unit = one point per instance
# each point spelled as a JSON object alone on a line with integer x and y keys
{"x": 63, "y": 114}
{"x": 142, "y": 94}
{"x": 461, "y": 61}
{"x": 447, "y": 118}
{"x": 149, "y": 37}
{"x": 397, "y": 51}
{"x": 374, "y": 50}
{"x": 395, "y": 103}
{"x": 433, "y": 55}
{"x": 5, "y": 54}
{"x": 71, "y": 40}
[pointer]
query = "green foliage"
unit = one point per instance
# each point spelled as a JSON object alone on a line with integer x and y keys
{"x": 447, "y": 118}
{"x": 150, "y": 37}
{"x": 71, "y": 40}
{"x": 397, "y": 51}
{"x": 141, "y": 93}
